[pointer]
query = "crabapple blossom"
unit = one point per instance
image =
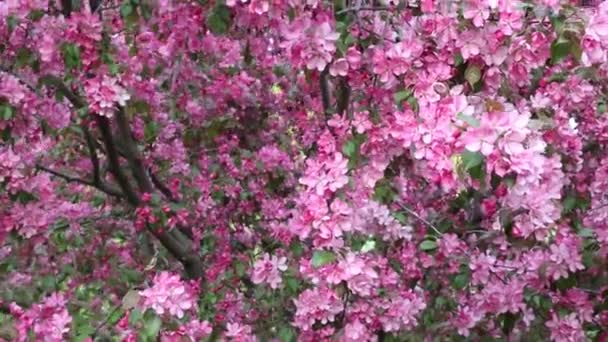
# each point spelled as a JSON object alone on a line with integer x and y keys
{"x": 268, "y": 270}
{"x": 303, "y": 170}
{"x": 168, "y": 294}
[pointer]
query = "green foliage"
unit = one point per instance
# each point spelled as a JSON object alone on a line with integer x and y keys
{"x": 71, "y": 56}
{"x": 462, "y": 279}
{"x": 472, "y": 74}
{"x": 406, "y": 95}
{"x": 352, "y": 149}
{"x": 287, "y": 334}
{"x": 219, "y": 20}
{"x": 472, "y": 121}
{"x": 322, "y": 257}
{"x": 6, "y": 112}
{"x": 148, "y": 322}
{"x": 384, "y": 192}
{"x": 428, "y": 245}
{"x": 566, "y": 44}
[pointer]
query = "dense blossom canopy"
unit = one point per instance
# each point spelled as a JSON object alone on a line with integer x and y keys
{"x": 310, "y": 170}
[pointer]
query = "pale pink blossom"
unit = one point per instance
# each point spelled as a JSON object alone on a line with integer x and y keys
{"x": 169, "y": 294}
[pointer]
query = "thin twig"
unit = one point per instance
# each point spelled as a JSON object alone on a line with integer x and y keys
{"x": 421, "y": 219}
{"x": 72, "y": 179}
{"x": 106, "y": 320}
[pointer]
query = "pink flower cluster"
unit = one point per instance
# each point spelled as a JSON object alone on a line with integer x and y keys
{"x": 322, "y": 171}
{"x": 316, "y": 305}
{"x": 268, "y": 270}
{"x": 104, "y": 93}
{"x": 310, "y": 43}
{"x": 169, "y": 294}
{"x": 48, "y": 320}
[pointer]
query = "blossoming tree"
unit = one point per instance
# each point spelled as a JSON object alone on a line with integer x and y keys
{"x": 282, "y": 170}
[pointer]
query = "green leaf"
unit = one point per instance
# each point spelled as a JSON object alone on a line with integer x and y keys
{"x": 586, "y": 233}
{"x": 384, "y": 192}
{"x": 561, "y": 48}
{"x": 472, "y": 74}
{"x": 569, "y": 204}
{"x": 558, "y": 77}
{"x": 297, "y": 249}
{"x": 557, "y": 21}
{"x": 12, "y": 22}
{"x": 286, "y": 334}
{"x": 461, "y": 280}
{"x": 473, "y": 122}
{"x": 428, "y": 245}
{"x": 566, "y": 283}
{"x": 292, "y": 284}
{"x": 71, "y": 56}
{"x": 399, "y": 216}
{"x": 369, "y": 245}
{"x": 126, "y": 9}
{"x": 6, "y": 112}
{"x": 400, "y": 96}
{"x": 219, "y": 20}
{"x": 115, "y": 316}
{"x": 471, "y": 160}
{"x": 408, "y": 96}
{"x": 152, "y": 326}
{"x": 458, "y": 60}
{"x": 413, "y": 102}
{"x": 320, "y": 258}
{"x": 150, "y": 131}
{"x": 146, "y": 10}
{"x": 508, "y": 322}
{"x": 24, "y": 57}
{"x": 350, "y": 148}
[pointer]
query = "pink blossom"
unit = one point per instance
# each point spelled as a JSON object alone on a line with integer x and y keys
{"x": 316, "y": 305}
{"x": 49, "y": 320}
{"x": 240, "y": 332}
{"x": 168, "y": 294}
{"x": 565, "y": 329}
{"x": 268, "y": 270}
{"x": 339, "y": 67}
{"x": 104, "y": 93}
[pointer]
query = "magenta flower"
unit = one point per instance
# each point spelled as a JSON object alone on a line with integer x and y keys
{"x": 103, "y": 93}
{"x": 169, "y": 294}
{"x": 566, "y": 329}
{"x": 268, "y": 270}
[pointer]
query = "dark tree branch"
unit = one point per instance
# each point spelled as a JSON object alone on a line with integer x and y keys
{"x": 92, "y": 153}
{"x": 71, "y": 179}
{"x": 132, "y": 153}
{"x": 324, "y": 85}
{"x": 66, "y": 7}
{"x": 97, "y": 179}
{"x": 112, "y": 154}
{"x": 58, "y": 84}
{"x": 175, "y": 242}
{"x": 343, "y": 97}
{"x": 161, "y": 187}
